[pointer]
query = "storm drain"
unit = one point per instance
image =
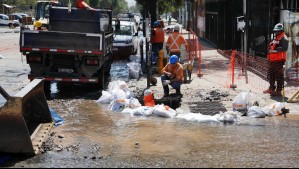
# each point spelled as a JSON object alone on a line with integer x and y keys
{"x": 207, "y": 108}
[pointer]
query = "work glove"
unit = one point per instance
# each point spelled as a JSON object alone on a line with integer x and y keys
{"x": 166, "y": 82}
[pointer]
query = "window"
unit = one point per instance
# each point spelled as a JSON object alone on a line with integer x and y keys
{"x": 124, "y": 30}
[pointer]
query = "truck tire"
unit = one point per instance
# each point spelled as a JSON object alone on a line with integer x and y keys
{"x": 101, "y": 78}
{"x": 47, "y": 89}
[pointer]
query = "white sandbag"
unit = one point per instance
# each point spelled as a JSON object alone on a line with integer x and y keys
{"x": 274, "y": 109}
{"x": 143, "y": 111}
{"x": 134, "y": 70}
{"x": 123, "y": 85}
{"x": 134, "y": 103}
{"x": 164, "y": 111}
{"x": 197, "y": 117}
{"x": 128, "y": 94}
{"x": 113, "y": 86}
{"x": 229, "y": 117}
{"x": 128, "y": 110}
{"x": 256, "y": 112}
{"x": 117, "y": 105}
{"x": 242, "y": 102}
{"x": 140, "y": 111}
{"x": 106, "y": 98}
{"x": 119, "y": 94}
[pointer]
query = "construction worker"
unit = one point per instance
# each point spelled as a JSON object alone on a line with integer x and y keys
{"x": 175, "y": 41}
{"x": 38, "y": 25}
{"x": 157, "y": 40}
{"x": 277, "y": 57}
{"x": 172, "y": 75}
{"x": 83, "y": 4}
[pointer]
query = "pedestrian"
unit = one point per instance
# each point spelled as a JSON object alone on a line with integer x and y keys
{"x": 175, "y": 41}
{"x": 169, "y": 20}
{"x": 172, "y": 75}
{"x": 157, "y": 40}
{"x": 276, "y": 58}
{"x": 83, "y": 4}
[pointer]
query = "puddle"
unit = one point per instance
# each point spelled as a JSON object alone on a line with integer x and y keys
{"x": 122, "y": 135}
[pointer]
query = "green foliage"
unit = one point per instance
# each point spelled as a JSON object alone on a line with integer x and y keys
{"x": 165, "y": 6}
{"x": 118, "y": 6}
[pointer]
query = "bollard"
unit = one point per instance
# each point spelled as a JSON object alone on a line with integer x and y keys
{"x": 233, "y": 58}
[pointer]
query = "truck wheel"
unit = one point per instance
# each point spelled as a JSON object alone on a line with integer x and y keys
{"x": 47, "y": 88}
{"x": 101, "y": 78}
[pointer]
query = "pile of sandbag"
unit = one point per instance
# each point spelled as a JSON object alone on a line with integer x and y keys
{"x": 244, "y": 103}
{"x": 120, "y": 99}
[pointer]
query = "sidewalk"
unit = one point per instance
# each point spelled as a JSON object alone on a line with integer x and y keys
{"x": 211, "y": 93}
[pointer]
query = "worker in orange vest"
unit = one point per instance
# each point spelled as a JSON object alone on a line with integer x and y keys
{"x": 172, "y": 75}
{"x": 277, "y": 57}
{"x": 175, "y": 41}
{"x": 157, "y": 40}
{"x": 83, "y": 4}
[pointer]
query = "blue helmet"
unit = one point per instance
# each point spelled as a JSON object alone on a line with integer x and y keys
{"x": 173, "y": 59}
{"x": 156, "y": 23}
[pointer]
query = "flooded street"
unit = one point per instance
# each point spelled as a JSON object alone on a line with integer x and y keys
{"x": 96, "y": 137}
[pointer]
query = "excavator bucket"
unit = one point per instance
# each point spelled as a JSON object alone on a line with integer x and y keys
{"x": 25, "y": 120}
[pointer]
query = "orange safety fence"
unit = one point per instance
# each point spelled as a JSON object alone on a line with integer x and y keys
{"x": 253, "y": 71}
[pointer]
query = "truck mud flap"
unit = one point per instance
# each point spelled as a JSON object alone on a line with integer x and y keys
{"x": 25, "y": 120}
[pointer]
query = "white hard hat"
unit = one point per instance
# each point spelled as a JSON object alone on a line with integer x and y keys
{"x": 176, "y": 28}
{"x": 278, "y": 27}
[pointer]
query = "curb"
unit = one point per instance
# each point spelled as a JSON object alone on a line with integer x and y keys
{"x": 16, "y": 31}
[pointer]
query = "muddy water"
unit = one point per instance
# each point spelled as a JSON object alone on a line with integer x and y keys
{"x": 97, "y": 132}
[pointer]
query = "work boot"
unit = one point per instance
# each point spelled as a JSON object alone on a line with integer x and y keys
{"x": 268, "y": 91}
{"x": 178, "y": 92}
{"x": 276, "y": 93}
{"x": 166, "y": 95}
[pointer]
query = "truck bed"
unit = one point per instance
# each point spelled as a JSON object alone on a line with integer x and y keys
{"x": 62, "y": 40}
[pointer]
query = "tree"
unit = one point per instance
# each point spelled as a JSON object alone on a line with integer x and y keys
{"x": 118, "y": 6}
{"x": 164, "y": 6}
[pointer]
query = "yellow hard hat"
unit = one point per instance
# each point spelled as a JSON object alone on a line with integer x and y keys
{"x": 38, "y": 24}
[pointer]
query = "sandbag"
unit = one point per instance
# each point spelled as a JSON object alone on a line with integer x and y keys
{"x": 140, "y": 111}
{"x": 274, "y": 109}
{"x": 242, "y": 102}
{"x": 197, "y": 117}
{"x": 106, "y": 98}
{"x": 229, "y": 117}
{"x": 256, "y": 112}
{"x": 164, "y": 111}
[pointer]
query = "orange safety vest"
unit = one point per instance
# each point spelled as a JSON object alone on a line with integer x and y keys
{"x": 174, "y": 42}
{"x": 176, "y": 70}
{"x": 159, "y": 36}
{"x": 278, "y": 56}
